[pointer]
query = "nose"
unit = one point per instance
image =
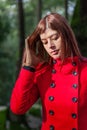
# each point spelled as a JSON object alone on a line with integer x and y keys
{"x": 50, "y": 44}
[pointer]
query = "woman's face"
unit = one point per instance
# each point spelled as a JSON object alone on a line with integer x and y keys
{"x": 52, "y": 43}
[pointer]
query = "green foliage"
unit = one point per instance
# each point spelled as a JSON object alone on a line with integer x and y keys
{"x": 7, "y": 76}
{"x": 79, "y": 25}
{"x": 3, "y": 113}
{"x": 16, "y": 126}
{"x": 78, "y": 22}
{"x": 52, "y": 5}
{"x": 30, "y": 16}
{"x": 4, "y": 24}
{"x": 30, "y": 8}
{"x": 35, "y": 111}
{"x": 8, "y": 53}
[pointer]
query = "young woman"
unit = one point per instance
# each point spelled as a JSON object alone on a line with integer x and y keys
{"x": 53, "y": 70}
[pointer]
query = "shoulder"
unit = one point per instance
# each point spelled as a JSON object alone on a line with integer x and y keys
{"x": 83, "y": 61}
{"x": 83, "y": 64}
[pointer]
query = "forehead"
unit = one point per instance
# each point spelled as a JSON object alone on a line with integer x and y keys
{"x": 48, "y": 33}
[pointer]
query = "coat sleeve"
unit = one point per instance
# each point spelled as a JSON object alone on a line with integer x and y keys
{"x": 25, "y": 92}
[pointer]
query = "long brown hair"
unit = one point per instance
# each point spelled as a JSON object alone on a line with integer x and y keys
{"x": 59, "y": 23}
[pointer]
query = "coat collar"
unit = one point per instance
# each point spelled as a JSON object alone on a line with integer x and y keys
{"x": 69, "y": 66}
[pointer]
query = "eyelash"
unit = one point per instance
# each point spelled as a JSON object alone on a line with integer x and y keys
{"x": 54, "y": 38}
{"x": 44, "y": 43}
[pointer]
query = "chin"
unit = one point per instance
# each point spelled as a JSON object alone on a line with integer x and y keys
{"x": 56, "y": 57}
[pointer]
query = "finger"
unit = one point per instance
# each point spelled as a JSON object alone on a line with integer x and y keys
{"x": 24, "y": 57}
{"x": 27, "y": 45}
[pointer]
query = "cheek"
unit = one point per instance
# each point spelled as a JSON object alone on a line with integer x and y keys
{"x": 59, "y": 42}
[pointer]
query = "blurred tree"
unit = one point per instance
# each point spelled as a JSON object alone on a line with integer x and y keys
{"x": 30, "y": 9}
{"x": 79, "y": 24}
{"x": 7, "y": 61}
{"x": 21, "y": 33}
{"x": 39, "y": 10}
{"x": 53, "y": 6}
{"x": 66, "y": 9}
{"x": 4, "y": 24}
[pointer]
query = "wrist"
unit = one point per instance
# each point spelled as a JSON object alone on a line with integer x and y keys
{"x": 28, "y": 64}
{"x": 30, "y": 68}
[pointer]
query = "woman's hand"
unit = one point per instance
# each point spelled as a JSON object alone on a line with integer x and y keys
{"x": 30, "y": 59}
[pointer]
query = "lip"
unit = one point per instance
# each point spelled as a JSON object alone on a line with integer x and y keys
{"x": 54, "y": 52}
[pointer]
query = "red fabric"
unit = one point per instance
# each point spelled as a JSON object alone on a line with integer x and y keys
{"x": 30, "y": 86}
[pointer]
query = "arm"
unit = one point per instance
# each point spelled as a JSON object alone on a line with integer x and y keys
{"x": 25, "y": 92}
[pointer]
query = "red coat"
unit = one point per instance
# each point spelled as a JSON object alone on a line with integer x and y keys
{"x": 63, "y": 92}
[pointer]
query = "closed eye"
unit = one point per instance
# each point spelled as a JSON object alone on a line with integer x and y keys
{"x": 55, "y": 37}
{"x": 44, "y": 42}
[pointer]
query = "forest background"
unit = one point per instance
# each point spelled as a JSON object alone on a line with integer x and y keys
{"x": 18, "y": 19}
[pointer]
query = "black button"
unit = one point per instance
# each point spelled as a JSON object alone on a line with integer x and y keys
{"x": 74, "y": 99}
{"x": 51, "y": 127}
{"x": 52, "y": 85}
{"x": 51, "y": 112}
{"x": 74, "y": 115}
{"x": 53, "y": 71}
{"x": 54, "y": 61}
{"x": 51, "y": 98}
{"x": 74, "y": 73}
{"x": 73, "y": 128}
{"x": 74, "y": 63}
{"x": 74, "y": 85}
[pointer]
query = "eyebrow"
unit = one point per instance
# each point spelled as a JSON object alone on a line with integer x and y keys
{"x": 49, "y": 36}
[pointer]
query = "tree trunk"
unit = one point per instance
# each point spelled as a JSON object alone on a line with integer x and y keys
{"x": 66, "y": 9}
{"x": 84, "y": 8}
{"x": 39, "y": 10}
{"x": 21, "y": 33}
{"x": 79, "y": 25}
